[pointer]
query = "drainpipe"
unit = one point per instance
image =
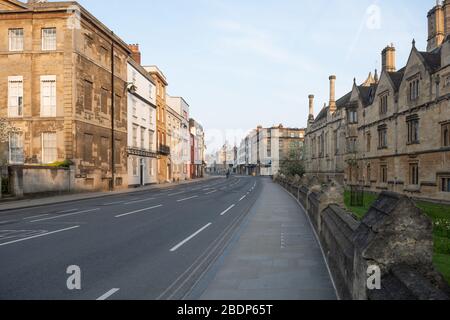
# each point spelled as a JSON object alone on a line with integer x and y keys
{"x": 113, "y": 168}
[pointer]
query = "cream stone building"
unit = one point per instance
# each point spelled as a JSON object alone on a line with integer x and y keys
{"x": 142, "y": 153}
{"x": 198, "y": 149}
{"x": 179, "y": 137}
{"x": 263, "y": 150}
{"x": 391, "y": 133}
{"x": 63, "y": 81}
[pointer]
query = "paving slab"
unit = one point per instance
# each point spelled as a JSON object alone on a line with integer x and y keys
{"x": 275, "y": 256}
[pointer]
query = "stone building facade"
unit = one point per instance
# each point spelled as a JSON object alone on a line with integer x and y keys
{"x": 142, "y": 155}
{"x": 263, "y": 151}
{"x": 392, "y": 132}
{"x": 63, "y": 81}
{"x": 164, "y": 161}
{"x": 178, "y": 124}
{"x": 197, "y": 149}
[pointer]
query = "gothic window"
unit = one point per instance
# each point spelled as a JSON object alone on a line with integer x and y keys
{"x": 382, "y": 137}
{"x": 414, "y": 174}
{"x": 446, "y": 135}
{"x": 383, "y": 173}
{"x": 414, "y": 90}
{"x": 413, "y": 129}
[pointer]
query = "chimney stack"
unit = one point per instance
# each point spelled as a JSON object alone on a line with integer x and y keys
{"x": 388, "y": 59}
{"x": 446, "y": 14}
{"x": 135, "y": 52}
{"x": 332, "y": 94}
{"x": 311, "y": 107}
{"x": 436, "y": 32}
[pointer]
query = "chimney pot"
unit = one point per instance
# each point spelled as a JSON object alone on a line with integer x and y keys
{"x": 332, "y": 94}
{"x": 388, "y": 59}
{"x": 311, "y": 107}
{"x": 135, "y": 52}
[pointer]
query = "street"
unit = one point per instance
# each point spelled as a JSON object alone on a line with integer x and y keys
{"x": 143, "y": 245}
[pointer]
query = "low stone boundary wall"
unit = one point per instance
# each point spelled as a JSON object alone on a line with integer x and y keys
{"x": 395, "y": 237}
{"x": 28, "y": 180}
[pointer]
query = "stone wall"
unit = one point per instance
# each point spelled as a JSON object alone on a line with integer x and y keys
{"x": 29, "y": 180}
{"x": 394, "y": 236}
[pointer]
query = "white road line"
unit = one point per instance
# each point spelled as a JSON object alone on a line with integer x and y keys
{"x": 242, "y": 198}
{"x": 231, "y": 207}
{"x": 38, "y": 236}
{"x": 174, "y": 194}
{"x": 211, "y": 192}
{"x": 178, "y": 246}
{"x": 185, "y": 199}
{"x": 139, "y": 201}
{"x": 66, "y": 215}
{"x": 108, "y": 294}
{"x": 112, "y": 203}
{"x": 137, "y": 211}
{"x": 38, "y": 216}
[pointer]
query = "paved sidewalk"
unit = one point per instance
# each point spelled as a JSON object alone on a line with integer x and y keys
{"x": 36, "y": 202}
{"x": 275, "y": 257}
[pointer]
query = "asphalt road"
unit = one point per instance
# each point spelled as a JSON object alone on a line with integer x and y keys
{"x": 143, "y": 245}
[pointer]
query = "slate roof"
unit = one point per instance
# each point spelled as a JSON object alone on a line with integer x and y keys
{"x": 367, "y": 93}
{"x": 340, "y": 103}
{"x": 397, "y": 78}
{"x": 432, "y": 59}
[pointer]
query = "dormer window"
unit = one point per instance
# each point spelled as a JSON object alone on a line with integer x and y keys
{"x": 414, "y": 90}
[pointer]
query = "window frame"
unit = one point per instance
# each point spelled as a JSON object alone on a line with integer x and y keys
{"x": 48, "y": 111}
{"x": 414, "y": 174}
{"x": 11, "y": 42}
{"x": 383, "y": 173}
{"x": 413, "y": 127}
{"x": 44, "y": 148}
{"x": 19, "y": 140}
{"x": 19, "y": 97}
{"x": 48, "y": 43}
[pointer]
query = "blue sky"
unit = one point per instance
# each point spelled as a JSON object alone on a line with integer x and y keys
{"x": 241, "y": 63}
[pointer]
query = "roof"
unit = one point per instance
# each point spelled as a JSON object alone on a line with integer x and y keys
{"x": 343, "y": 100}
{"x": 367, "y": 93}
{"x": 432, "y": 59}
{"x": 340, "y": 103}
{"x": 397, "y": 78}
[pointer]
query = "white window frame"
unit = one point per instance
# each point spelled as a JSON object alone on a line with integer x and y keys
{"x": 48, "y": 110}
{"x": 16, "y": 42}
{"x": 48, "y": 39}
{"x": 134, "y": 136}
{"x": 45, "y": 157}
{"x": 18, "y": 157}
{"x": 15, "y": 99}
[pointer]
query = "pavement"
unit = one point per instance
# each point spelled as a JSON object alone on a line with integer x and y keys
{"x": 160, "y": 244}
{"x": 8, "y": 204}
{"x": 276, "y": 256}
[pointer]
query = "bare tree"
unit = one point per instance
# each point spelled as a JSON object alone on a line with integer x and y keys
{"x": 6, "y": 128}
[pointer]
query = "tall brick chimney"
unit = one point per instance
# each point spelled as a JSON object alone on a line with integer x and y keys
{"x": 388, "y": 59}
{"x": 135, "y": 52}
{"x": 332, "y": 94}
{"x": 436, "y": 32}
{"x": 311, "y": 107}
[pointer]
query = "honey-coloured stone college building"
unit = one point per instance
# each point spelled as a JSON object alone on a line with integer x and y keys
{"x": 391, "y": 132}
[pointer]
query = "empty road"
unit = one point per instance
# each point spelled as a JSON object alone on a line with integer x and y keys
{"x": 148, "y": 245}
